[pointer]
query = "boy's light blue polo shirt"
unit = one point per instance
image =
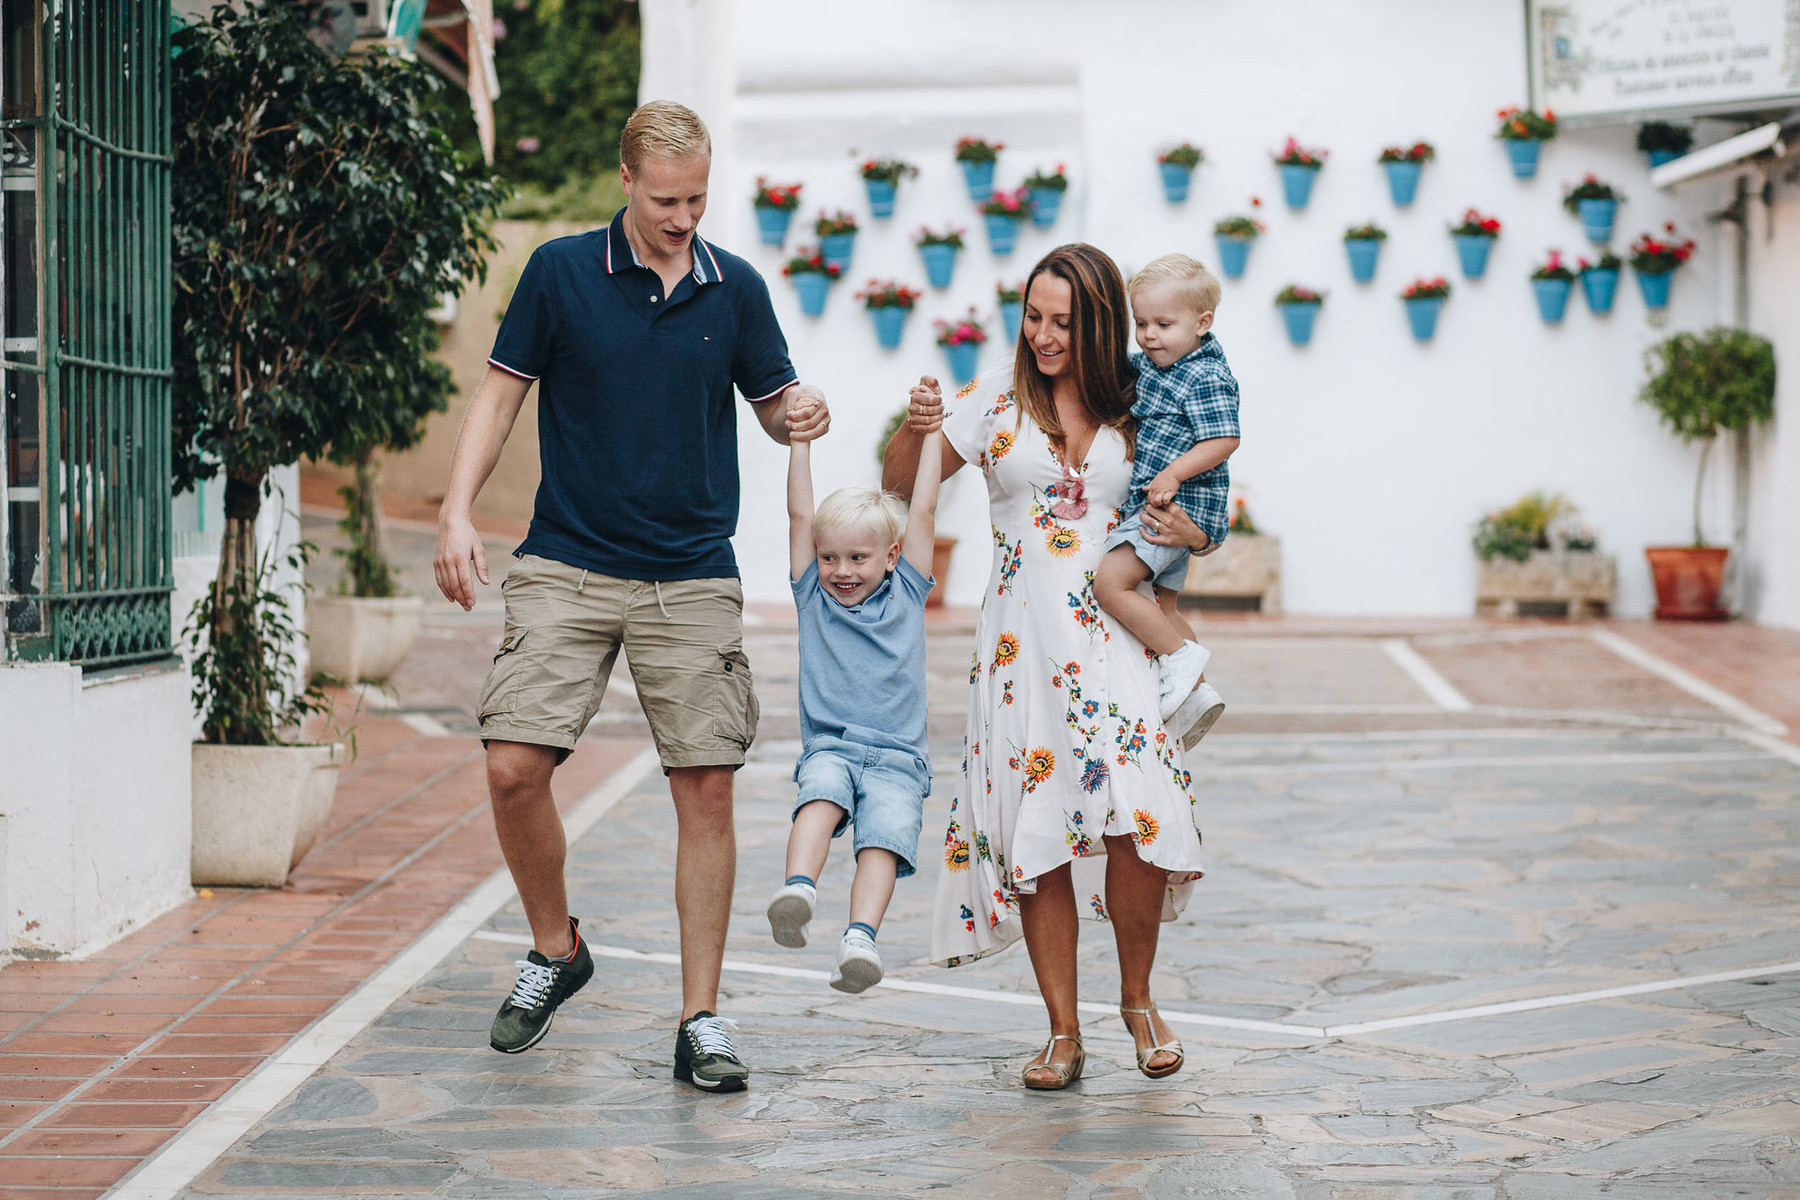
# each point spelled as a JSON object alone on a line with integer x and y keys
{"x": 862, "y": 667}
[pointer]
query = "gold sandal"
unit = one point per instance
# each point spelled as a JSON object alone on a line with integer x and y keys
{"x": 1066, "y": 1073}
{"x": 1172, "y": 1046}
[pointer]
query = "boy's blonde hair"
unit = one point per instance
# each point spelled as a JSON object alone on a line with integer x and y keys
{"x": 878, "y": 512}
{"x": 1193, "y": 282}
{"x": 662, "y": 129}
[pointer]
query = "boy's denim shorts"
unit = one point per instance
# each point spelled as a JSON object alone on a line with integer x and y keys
{"x": 1168, "y": 564}
{"x": 881, "y": 791}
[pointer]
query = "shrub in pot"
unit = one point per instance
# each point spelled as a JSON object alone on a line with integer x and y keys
{"x": 1531, "y": 553}
{"x": 1701, "y": 385}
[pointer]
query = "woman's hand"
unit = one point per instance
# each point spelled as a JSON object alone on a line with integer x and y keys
{"x": 925, "y": 405}
{"x": 1169, "y": 525}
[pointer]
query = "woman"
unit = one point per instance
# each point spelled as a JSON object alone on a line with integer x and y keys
{"x": 1072, "y": 797}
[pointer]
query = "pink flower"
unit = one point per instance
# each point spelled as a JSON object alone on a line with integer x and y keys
{"x": 528, "y": 145}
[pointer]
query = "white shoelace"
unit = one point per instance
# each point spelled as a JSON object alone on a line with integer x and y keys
{"x": 532, "y": 985}
{"x": 710, "y": 1036}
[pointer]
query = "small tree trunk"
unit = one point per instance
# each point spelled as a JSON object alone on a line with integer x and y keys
{"x": 1699, "y": 484}
{"x": 233, "y": 633}
{"x": 368, "y": 487}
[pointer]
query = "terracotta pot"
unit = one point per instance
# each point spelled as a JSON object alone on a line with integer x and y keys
{"x": 1688, "y": 580}
{"x": 940, "y": 570}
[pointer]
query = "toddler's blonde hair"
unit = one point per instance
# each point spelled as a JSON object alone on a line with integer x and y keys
{"x": 1194, "y": 283}
{"x": 878, "y": 512}
{"x": 662, "y": 129}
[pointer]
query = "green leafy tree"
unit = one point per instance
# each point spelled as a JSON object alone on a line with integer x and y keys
{"x": 320, "y": 211}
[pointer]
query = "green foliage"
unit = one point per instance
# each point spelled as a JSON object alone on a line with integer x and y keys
{"x": 582, "y": 198}
{"x": 1661, "y": 135}
{"x": 887, "y": 435}
{"x": 1702, "y": 383}
{"x": 1523, "y": 526}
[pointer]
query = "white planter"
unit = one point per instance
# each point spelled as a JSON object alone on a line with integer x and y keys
{"x": 360, "y": 637}
{"x": 1248, "y": 565}
{"x": 257, "y": 810}
{"x": 1582, "y": 583}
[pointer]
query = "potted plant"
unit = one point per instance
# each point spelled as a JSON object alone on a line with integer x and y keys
{"x": 812, "y": 277}
{"x": 1299, "y": 169}
{"x": 775, "y": 205}
{"x": 888, "y": 304}
{"x": 942, "y": 547}
{"x": 837, "y": 239}
{"x": 1424, "y": 299}
{"x": 1654, "y": 260}
{"x": 1404, "y": 165}
{"x": 296, "y": 333}
{"x": 881, "y": 179}
{"x": 1046, "y": 191}
{"x": 939, "y": 252}
{"x": 1661, "y": 142}
{"x": 1524, "y": 131}
{"x": 1002, "y": 212}
{"x": 1474, "y": 238}
{"x": 1299, "y": 310}
{"x": 1011, "y": 300}
{"x": 1702, "y": 384}
{"x": 1600, "y": 281}
{"x": 1176, "y": 167}
{"x": 1531, "y": 554}
{"x": 1234, "y": 236}
{"x": 976, "y": 158}
{"x": 1596, "y": 204}
{"x": 962, "y": 341}
{"x": 1363, "y": 244}
{"x": 1551, "y": 283}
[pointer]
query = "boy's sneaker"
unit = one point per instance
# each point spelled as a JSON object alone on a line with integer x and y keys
{"x": 790, "y": 912}
{"x": 1181, "y": 671}
{"x": 1196, "y": 715}
{"x": 705, "y": 1057}
{"x": 858, "y": 963}
{"x": 524, "y": 1016}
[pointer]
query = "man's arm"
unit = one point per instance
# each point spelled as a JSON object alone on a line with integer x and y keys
{"x": 920, "y": 539}
{"x": 1202, "y": 458}
{"x": 786, "y": 421}
{"x": 800, "y": 509}
{"x": 485, "y": 426}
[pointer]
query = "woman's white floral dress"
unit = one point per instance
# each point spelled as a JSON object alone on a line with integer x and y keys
{"x": 1064, "y": 744}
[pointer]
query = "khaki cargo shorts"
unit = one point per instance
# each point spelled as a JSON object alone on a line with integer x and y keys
{"x": 683, "y": 638}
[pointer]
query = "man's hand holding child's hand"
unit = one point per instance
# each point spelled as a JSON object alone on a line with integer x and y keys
{"x": 807, "y": 416}
{"x": 925, "y": 407}
{"x": 1161, "y": 490}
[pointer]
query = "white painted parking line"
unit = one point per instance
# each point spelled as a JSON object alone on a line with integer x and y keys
{"x": 1481, "y": 762}
{"x": 1425, "y": 675}
{"x": 426, "y": 724}
{"x": 1662, "y": 668}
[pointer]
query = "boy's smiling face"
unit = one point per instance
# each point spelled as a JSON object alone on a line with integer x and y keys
{"x": 1169, "y": 328}
{"x": 852, "y": 562}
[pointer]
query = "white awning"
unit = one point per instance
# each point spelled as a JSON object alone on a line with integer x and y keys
{"x": 1734, "y": 153}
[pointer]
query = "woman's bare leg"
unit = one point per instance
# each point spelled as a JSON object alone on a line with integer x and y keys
{"x": 1134, "y": 903}
{"x": 1051, "y": 930}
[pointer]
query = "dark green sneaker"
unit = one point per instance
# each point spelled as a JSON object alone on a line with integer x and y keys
{"x": 705, "y": 1057}
{"x": 524, "y": 1016}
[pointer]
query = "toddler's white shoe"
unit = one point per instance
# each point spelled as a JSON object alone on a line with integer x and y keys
{"x": 1180, "y": 672}
{"x": 1196, "y": 715}
{"x": 790, "y": 911}
{"x": 858, "y": 963}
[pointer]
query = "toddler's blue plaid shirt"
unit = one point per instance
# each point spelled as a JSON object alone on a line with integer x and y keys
{"x": 1178, "y": 406}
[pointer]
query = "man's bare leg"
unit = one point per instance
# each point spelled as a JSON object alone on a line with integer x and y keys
{"x": 531, "y": 837}
{"x": 705, "y": 872}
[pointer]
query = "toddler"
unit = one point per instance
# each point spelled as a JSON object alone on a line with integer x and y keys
{"x": 860, "y": 568}
{"x": 1187, "y": 426}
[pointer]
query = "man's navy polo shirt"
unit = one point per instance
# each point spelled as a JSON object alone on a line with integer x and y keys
{"x": 637, "y": 428}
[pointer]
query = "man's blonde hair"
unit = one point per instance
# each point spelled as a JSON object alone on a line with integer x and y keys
{"x": 880, "y": 513}
{"x": 662, "y": 129}
{"x": 1193, "y": 282}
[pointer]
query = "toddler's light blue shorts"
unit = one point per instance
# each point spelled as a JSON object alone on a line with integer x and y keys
{"x": 1168, "y": 564}
{"x": 881, "y": 791}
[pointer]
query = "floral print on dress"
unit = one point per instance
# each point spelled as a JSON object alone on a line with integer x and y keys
{"x": 1062, "y": 541}
{"x": 1003, "y": 441}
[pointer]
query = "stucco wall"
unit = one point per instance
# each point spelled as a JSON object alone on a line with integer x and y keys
{"x": 1774, "y": 591}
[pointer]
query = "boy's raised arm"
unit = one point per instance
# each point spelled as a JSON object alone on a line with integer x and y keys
{"x": 800, "y": 508}
{"x": 920, "y": 538}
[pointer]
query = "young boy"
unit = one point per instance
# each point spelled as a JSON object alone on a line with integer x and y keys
{"x": 1187, "y": 414}
{"x": 860, "y": 581}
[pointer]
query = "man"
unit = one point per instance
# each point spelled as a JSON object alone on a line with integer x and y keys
{"x": 636, "y": 334}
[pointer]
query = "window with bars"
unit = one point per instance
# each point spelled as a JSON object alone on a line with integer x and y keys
{"x": 85, "y": 368}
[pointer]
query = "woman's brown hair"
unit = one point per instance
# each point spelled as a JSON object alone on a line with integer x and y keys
{"x": 1098, "y": 357}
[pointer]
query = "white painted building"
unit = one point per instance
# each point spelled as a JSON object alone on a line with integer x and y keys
{"x": 1369, "y": 453}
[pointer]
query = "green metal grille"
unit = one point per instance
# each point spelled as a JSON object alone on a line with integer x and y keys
{"x": 103, "y": 168}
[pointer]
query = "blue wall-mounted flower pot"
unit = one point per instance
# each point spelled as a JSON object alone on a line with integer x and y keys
{"x": 1403, "y": 181}
{"x": 940, "y": 263}
{"x": 1234, "y": 254}
{"x": 1597, "y": 218}
{"x": 813, "y": 288}
{"x": 1002, "y": 231}
{"x": 980, "y": 178}
{"x": 890, "y": 323}
{"x": 1659, "y": 157}
{"x": 1010, "y": 317}
{"x": 1600, "y": 285}
{"x": 1472, "y": 252}
{"x": 1655, "y": 287}
{"x": 1422, "y": 315}
{"x": 1175, "y": 181}
{"x": 1552, "y": 298}
{"x": 963, "y": 357}
{"x": 1364, "y": 254}
{"x": 1297, "y": 183}
{"x": 881, "y": 197}
{"x": 1045, "y": 204}
{"x": 836, "y": 250}
{"x": 1523, "y": 154}
{"x": 772, "y": 224}
{"x": 1299, "y": 319}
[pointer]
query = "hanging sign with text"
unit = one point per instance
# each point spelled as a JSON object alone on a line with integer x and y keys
{"x": 1592, "y": 58}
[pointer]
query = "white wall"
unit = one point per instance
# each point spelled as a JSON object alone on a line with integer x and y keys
{"x": 1774, "y": 584}
{"x": 1370, "y": 454}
